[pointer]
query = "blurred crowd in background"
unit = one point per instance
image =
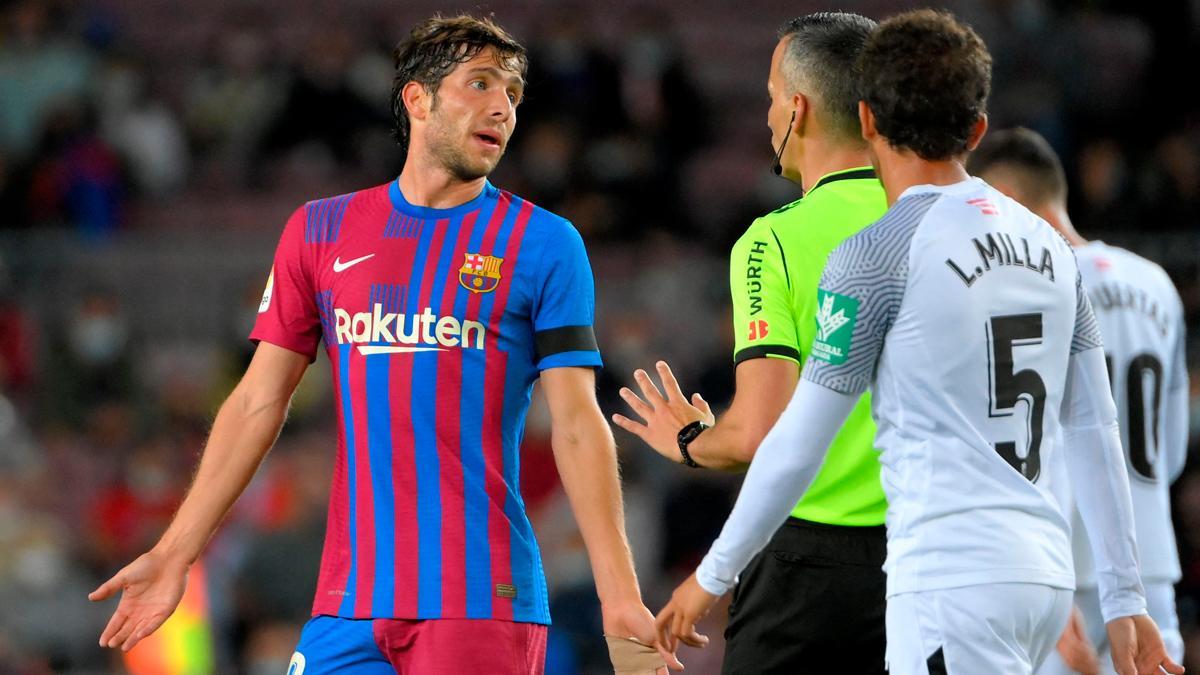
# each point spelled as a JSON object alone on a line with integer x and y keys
{"x": 150, "y": 152}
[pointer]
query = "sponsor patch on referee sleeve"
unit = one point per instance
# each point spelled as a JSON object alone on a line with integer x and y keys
{"x": 835, "y": 318}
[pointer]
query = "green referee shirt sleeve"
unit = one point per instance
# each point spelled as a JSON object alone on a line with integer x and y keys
{"x": 763, "y": 317}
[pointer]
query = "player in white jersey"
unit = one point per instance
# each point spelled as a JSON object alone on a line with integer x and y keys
{"x": 1142, "y": 323}
{"x": 965, "y": 314}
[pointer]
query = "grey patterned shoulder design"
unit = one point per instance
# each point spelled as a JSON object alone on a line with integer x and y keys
{"x": 1087, "y": 329}
{"x": 859, "y": 297}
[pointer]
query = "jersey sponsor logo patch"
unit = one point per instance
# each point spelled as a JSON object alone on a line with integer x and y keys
{"x": 759, "y": 329}
{"x": 480, "y": 273}
{"x": 266, "y": 298}
{"x": 380, "y": 332}
{"x": 754, "y": 276}
{"x": 835, "y": 325}
{"x": 296, "y": 667}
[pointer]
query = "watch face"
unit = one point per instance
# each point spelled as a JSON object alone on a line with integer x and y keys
{"x": 691, "y": 431}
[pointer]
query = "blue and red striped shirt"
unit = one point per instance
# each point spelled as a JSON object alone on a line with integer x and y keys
{"x": 437, "y": 322}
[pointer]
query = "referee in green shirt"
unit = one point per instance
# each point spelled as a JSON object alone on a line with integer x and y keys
{"x": 813, "y": 600}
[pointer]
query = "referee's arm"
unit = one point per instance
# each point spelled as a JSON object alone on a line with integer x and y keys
{"x": 766, "y": 349}
{"x": 767, "y": 355}
{"x": 764, "y": 387}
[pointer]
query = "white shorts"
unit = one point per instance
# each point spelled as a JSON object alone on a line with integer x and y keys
{"x": 1160, "y": 604}
{"x": 1005, "y": 629}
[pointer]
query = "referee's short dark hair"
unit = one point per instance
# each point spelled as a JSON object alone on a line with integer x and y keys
{"x": 435, "y": 47}
{"x": 820, "y": 59}
{"x": 926, "y": 78}
{"x": 1027, "y": 160}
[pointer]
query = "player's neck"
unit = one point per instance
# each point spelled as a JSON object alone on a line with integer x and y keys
{"x": 902, "y": 169}
{"x": 1056, "y": 215}
{"x": 821, "y": 159}
{"x": 427, "y": 183}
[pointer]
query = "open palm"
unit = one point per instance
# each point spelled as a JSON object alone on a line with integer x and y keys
{"x": 662, "y": 413}
{"x": 150, "y": 589}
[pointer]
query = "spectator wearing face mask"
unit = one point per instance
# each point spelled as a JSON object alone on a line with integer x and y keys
{"x": 91, "y": 361}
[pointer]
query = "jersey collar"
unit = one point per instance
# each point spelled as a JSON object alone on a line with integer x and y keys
{"x": 403, "y": 206}
{"x": 961, "y": 187}
{"x": 857, "y": 173}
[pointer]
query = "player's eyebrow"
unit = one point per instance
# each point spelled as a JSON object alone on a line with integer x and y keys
{"x": 512, "y": 79}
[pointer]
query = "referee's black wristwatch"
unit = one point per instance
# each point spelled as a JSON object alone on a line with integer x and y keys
{"x": 686, "y": 436}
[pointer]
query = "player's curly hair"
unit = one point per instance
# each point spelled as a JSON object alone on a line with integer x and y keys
{"x": 435, "y": 47}
{"x": 926, "y": 78}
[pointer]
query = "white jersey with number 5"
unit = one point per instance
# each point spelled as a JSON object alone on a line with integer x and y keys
{"x": 961, "y": 308}
{"x": 1141, "y": 319}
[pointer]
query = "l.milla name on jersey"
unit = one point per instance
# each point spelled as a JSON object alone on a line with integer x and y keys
{"x": 999, "y": 251}
{"x": 374, "y": 331}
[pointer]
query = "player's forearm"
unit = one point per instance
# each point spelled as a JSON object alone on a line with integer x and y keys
{"x": 786, "y": 464}
{"x": 1097, "y": 467}
{"x": 586, "y": 457}
{"x": 243, "y": 432}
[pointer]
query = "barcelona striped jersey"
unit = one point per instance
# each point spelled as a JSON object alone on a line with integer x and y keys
{"x": 436, "y": 322}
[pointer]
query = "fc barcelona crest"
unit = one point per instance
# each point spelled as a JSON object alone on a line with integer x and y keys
{"x": 480, "y": 273}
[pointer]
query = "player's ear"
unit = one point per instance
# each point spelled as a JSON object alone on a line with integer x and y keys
{"x": 417, "y": 100}
{"x": 866, "y": 119}
{"x": 800, "y": 105}
{"x": 977, "y": 132}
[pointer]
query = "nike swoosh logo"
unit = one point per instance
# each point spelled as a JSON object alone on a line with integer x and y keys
{"x": 339, "y": 266}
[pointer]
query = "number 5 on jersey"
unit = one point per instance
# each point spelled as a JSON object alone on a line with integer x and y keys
{"x": 1007, "y": 386}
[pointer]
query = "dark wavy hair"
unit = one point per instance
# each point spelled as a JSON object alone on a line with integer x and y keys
{"x": 435, "y": 47}
{"x": 926, "y": 78}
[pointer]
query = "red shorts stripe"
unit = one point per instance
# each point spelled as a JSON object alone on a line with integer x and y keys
{"x": 457, "y": 646}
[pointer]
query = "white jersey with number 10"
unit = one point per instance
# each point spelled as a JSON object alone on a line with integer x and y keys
{"x": 1141, "y": 319}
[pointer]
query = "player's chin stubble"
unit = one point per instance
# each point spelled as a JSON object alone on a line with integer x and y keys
{"x": 451, "y": 154}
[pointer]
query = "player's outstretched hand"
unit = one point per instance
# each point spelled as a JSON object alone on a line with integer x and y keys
{"x": 633, "y": 644}
{"x": 662, "y": 416}
{"x": 677, "y": 621}
{"x": 1076, "y": 650}
{"x": 150, "y": 587}
{"x": 1137, "y": 648}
